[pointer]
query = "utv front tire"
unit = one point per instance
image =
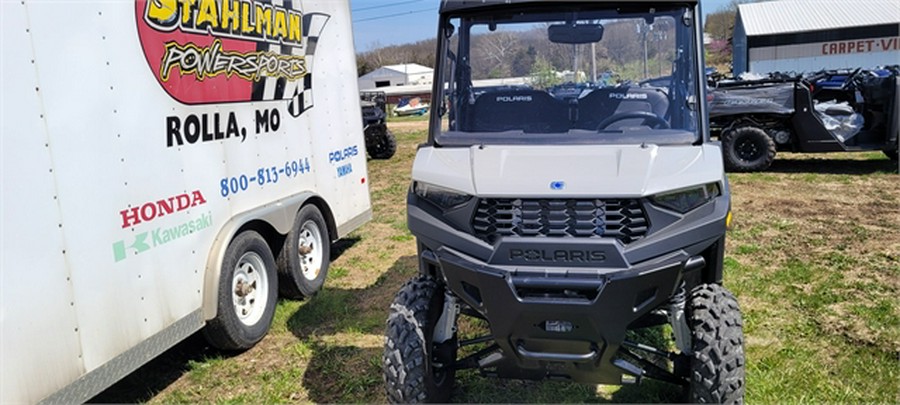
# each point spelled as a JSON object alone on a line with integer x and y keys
{"x": 747, "y": 149}
{"x": 416, "y": 370}
{"x": 717, "y": 339}
{"x": 891, "y": 154}
{"x": 380, "y": 142}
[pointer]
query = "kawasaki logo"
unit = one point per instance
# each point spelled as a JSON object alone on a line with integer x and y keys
{"x": 160, "y": 236}
{"x": 557, "y": 256}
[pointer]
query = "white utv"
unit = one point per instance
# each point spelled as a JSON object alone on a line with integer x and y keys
{"x": 566, "y": 211}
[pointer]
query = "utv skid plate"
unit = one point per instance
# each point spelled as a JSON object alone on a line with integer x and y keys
{"x": 567, "y": 328}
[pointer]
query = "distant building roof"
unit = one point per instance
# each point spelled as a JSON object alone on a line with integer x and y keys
{"x": 420, "y": 89}
{"x": 409, "y": 68}
{"x": 785, "y": 16}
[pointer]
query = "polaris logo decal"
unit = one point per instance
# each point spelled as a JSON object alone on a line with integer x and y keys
{"x": 557, "y": 185}
{"x": 626, "y": 96}
{"x": 557, "y": 256}
{"x": 513, "y": 99}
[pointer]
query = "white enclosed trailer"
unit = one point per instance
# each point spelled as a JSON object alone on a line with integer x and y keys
{"x": 159, "y": 158}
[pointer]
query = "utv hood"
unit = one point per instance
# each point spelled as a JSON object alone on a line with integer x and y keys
{"x": 568, "y": 171}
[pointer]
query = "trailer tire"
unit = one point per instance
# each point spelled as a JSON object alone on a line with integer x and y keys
{"x": 891, "y": 154}
{"x": 747, "y": 149}
{"x": 247, "y": 294}
{"x": 305, "y": 256}
{"x": 409, "y": 357}
{"x": 717, "y": 340}
{"x": 380, "y": 142}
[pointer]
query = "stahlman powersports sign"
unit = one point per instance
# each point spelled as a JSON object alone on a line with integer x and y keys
{"x": 231, "y": 51}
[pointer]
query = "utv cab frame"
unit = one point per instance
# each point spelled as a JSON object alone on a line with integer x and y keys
{"x": 563, "y": 219}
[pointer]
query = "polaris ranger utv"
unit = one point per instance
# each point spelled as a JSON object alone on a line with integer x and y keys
{"x": 828, "y": 111}
{"x": 566, "y": 219}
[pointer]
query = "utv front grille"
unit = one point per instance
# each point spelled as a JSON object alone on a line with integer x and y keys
{"x": 624, "y": 219}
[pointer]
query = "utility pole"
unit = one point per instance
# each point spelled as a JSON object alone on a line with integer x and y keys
{"x": 575, "y": 63}
{"x": 593, "y": 62}
{"x": 642, "y": 31}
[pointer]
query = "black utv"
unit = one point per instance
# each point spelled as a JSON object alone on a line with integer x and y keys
{"x": 380, "y": 141}
{"x": 828, "y": 111}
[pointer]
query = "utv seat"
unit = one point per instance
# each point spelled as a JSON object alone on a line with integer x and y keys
{"x": 602, "y": 104}
{"x": 525, "y": 110}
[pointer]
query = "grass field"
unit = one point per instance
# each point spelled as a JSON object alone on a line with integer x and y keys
{"x": 814, "y": 258}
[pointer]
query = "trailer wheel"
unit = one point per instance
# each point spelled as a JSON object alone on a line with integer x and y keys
{"x": 305, "y": 256}
{"x": 415, "y": 368}
{"x": 717, "y": 363}
{"x": 380, "y": 142}
{"x": 747, "y": 149}
{"x": 247, "y": 294}
{"x": 891, "y": 154}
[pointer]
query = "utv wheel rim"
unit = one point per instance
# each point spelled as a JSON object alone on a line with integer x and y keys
{"x": 249, "y": 287}
{"x": 310, "y": 250}
{"x": 748, "y": 150}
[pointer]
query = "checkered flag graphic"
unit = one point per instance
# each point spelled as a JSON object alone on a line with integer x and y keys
{"x": 313, "y": 23}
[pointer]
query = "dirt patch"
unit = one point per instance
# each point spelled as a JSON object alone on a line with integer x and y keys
{"x": 826, "y": 241}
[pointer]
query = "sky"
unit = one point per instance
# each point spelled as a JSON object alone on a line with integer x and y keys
{"x": 378, "y": 23}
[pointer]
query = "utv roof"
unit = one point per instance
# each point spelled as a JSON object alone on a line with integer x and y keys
{"x": 456, "y": 5}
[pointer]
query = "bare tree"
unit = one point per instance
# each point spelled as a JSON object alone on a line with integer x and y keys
{"x": 495, "y": 50}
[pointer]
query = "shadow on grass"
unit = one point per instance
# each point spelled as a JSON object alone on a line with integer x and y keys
{"x": 150, "y": 379}
{"x": 348, "y": 369}
{"x": 342, "y": 245}
{"x": 833, "y": 166}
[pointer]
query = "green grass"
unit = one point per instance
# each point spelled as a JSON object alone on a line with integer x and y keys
{"x": 813, "y": 257}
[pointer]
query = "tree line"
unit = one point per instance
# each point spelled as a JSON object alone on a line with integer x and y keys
{"x": 523, "y": 53}
{"x": 527, "y": 53}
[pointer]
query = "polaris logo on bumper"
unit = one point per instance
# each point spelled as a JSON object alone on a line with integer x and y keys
{"x": 540, "y": 252}
{"x": 564, "y": 256}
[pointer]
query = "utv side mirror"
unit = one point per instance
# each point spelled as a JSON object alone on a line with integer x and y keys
{"x": 575, "y": 33}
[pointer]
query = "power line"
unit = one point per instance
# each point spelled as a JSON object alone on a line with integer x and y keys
{"x": 385, "y": 5}
{"x": 379, "y": 17}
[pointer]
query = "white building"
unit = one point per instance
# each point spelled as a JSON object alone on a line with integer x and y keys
{"x": 811, "y": 35}
{"x": 409, "y": 74}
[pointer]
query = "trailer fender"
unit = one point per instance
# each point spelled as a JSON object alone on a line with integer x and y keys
{"x": 279, "y": 215}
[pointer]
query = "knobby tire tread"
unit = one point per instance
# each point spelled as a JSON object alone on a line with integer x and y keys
{"x": 407, "y": 371}
{"x": 733, "y": 163}
{"x": 717, "y": 364}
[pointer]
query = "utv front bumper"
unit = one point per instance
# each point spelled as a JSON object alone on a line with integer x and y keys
{"x": 559, "y": 308}
{"x": 561, "y": 326}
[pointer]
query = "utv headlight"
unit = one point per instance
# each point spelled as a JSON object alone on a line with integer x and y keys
{"x": 440, "y": 196}
{"x": 687, "y": 199}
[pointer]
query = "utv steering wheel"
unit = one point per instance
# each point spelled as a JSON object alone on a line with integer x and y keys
{"x": 650, "y": 118}
{"x": 850, "y": 79}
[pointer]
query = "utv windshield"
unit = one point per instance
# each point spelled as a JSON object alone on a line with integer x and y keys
{"x": 572, "y": 74}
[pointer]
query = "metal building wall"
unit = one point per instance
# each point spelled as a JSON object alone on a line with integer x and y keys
{"x": 810, "y": 35}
